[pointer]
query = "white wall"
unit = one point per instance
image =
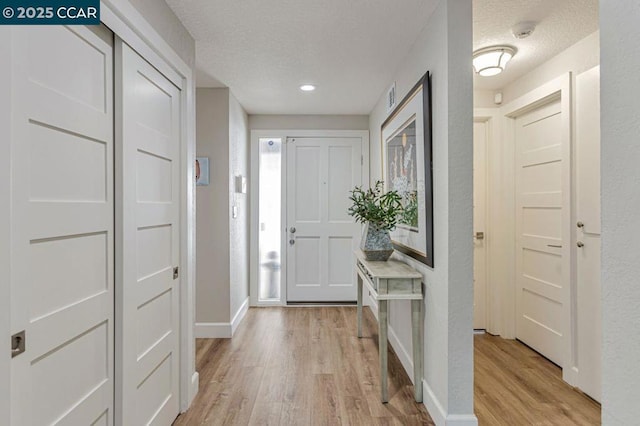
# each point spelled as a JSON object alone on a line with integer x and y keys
{"x": 620, "y": 156}
{"x": 578, "y": 58}
{"x": 239, "y": 226}
{"x": 309, "y": 122}
{"x": 212, "y": 208}
{"x": 167, "y": 24}
{"x": 443, "y": 48}
{"x": 484, "y": 98}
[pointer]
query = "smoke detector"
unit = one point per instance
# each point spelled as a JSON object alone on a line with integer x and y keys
{"x": 523, "y": 29}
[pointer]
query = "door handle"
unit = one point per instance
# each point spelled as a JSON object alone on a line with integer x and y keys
{"x": 479, "y": 236}
{"x": 18, "y": 343}
{"x": 554, "y": 245}
{"x": 580, "y": 244}
{"x": 292, "y": 230}
{"x": 292, "y": 242}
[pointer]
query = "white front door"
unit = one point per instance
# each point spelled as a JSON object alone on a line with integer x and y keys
{"x": 480, "y": 134}
{"x": 62, "y": 262}
{"x": 148, "y": 224}
{"x": 542, "y": 269}
{"x": 320, "y": 235}
{"x": 589, "y": 324}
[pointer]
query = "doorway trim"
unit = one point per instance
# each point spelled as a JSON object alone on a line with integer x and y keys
{"x": 493, "y": 308}
{"x": 255, "y": 197}
{"x": 127, "y": 23}
{"x": 559, "y": 88}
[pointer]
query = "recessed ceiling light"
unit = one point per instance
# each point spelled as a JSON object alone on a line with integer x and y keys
{"x": 307, "y": 87}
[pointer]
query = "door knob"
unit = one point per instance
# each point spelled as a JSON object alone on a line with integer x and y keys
{"x": 292, "y": 230}
{"x": 580, "y": 244}
{"x": 292, "y": 241}
{"x": 580, "y": 224}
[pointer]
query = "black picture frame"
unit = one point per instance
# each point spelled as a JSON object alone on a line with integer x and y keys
{"x": 407, "y": 132}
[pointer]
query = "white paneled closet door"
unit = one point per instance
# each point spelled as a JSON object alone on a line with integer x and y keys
{"x": 62, "y": 263}
{"x": 147, "y": 298}
{"x": 542, "y": 264}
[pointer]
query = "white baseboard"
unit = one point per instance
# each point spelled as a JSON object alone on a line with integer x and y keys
{"x": 222, "y": 330}
{"x": 402, "y": 353}
{"x": 439, "y": 414}
{"x": 239, "y": 316}
{"x": 434, "y": 407}
{"x": 430, "y": 401}
{"x": 195, "y": 383}
{"x": 462, "y": 420}
{"x": 213, "y": 330}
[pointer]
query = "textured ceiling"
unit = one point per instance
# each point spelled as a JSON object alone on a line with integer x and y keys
{"x": 264, "y": 49}
{"x": 561, "y": 23}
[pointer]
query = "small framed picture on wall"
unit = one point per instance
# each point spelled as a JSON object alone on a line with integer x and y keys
{"x": 202, "y": 171}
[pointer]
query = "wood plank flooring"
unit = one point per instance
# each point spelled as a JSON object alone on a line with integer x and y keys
{"x": 514, "y": 385}
{"x": 300, "y": 366}
{"x": 305, "y": 366}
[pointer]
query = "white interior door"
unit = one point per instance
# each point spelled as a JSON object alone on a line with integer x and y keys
{"x": 62, "y": 275}
{"x": 480, "y": 134}
{"x": 542, "y": 270}
{"x": 320, "y": 235}
{"x": 589, "y": 323}
{"x": 148, "y": 185}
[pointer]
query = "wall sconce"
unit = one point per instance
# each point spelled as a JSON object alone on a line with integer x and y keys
{"x": 492, "y": 60}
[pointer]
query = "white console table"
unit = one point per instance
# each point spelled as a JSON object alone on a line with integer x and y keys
{"x": 392, "y": 280}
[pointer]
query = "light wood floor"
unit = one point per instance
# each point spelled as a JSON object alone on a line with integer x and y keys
{"x": 300, "y": 366}
{"x": 305, "y": 366}
{"x": 514, "y": 385}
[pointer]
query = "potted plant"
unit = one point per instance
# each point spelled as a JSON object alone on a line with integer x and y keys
{"x": 380, "y": 212}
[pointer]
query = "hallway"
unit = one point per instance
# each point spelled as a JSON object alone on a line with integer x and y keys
{"x": 300, "y": 366}
{"x": 303, "y": 366}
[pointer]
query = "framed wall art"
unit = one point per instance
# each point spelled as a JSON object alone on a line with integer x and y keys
{"x": 407, "y": 168}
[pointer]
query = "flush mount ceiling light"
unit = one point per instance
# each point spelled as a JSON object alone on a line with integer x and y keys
{"x": 307, "y": 87}
{"x": 492, "y": 60}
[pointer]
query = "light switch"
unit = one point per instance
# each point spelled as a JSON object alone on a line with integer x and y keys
{"x": 241, "y": 184}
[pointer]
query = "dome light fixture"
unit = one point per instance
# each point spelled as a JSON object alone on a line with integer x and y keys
{"x": 307, "y": 87}
{"x": 492, "y": 60}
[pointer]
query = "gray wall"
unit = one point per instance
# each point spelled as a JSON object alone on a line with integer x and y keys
{"x": 165, "y": 22}
{"x": 309, "y": 122}
{"x": 212, "y": 207}
{"x": 222, "y": 241}
{"x": 238, "y": 227}
{"x": 620, "y": 149}
{"x": 444, "y": 48}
